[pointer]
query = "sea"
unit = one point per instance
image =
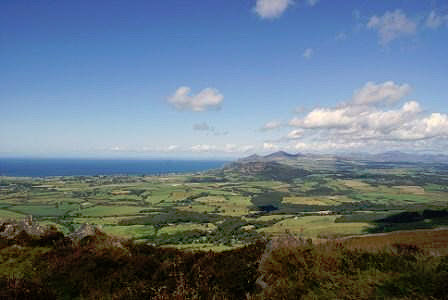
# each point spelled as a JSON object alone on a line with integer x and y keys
{"x": 39, "y": 167}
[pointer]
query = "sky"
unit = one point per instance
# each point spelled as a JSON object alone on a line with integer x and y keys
{"x": 218, "y": 79}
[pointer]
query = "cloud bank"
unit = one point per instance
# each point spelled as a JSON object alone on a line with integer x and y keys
{"x": 362, "y": 119}
{"x": 377, "y": 115}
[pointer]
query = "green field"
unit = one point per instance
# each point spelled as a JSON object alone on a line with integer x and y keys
{"x": 316, "y": 227}
{"x": 236, "y": 205}
{"x": 116, "y": 210}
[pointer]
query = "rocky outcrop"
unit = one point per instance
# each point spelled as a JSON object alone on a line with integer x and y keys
{"x": 10, "y": 230}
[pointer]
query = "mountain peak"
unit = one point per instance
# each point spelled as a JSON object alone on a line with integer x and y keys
{"x": 282, "y": 154}
{"x": 250, "y": 158}
{"x": 275, "y": 156}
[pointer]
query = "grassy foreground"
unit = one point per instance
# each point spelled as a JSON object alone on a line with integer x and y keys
{"x": 97, "y": 266}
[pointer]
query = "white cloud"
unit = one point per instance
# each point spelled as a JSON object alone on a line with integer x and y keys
{"x": 412, "y": 107}
{"x": 362, "y": 122}
{"x": 203, "y": 126}
{"x": 372, "y": 93}
{"x": 324, "y": 118}
{"x": 206, "y": 99}
{"x": 232, "y": 148}
{"x": 198, "y": 148}
{"x": 341, "y": 36}
{"x": 435, "y": 20}
{"x": 270, "y": 147}
{"x": 358, "y": 121}
{"x": 295, "y": 134}
{"x": 392, "y": 25}
{"x": 312, "y": 2}
{"x": 225, "y": 149}
{"x": 145, "y": 149}
{"x": 246, "y": 148}
{"x": 202, "y": 148}
{"x": 270, "y": 9}
{"x": 385, "y": 121}
{"x": 434, "y": 125}
{"x": 271, "y": 125}
{"x": 172, "y": 147}
{"x": 326, "y": 146}
{"x": 308, "y": 53}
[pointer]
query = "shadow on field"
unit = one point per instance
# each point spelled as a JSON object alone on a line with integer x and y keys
{"x": 427, "y": 219}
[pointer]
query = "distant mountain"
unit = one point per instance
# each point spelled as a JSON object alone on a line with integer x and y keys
{"x": 281, "y": 155}
{"x": 389, "y": 156}
{"x": 287, "y": 167}
{"x": 251, "y": 158}
{"x": 393, "y": 156}
{"x": 398, "y": 156}
{"x": 266, "y": 170}
{"x": 275, "y": 156}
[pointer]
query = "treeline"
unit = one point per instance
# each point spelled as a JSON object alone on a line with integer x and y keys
{"x": 54, "y": 266}
{"x": 228, "y": 229}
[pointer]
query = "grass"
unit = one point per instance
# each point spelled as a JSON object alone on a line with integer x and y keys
{"x": 237, "y": 199}
{"x": 433, "y": 240}
{"x": 124, "y": 198}
{"x": 322, "y": 200}
{"x": 235, "y": 206}
{"x": 130, "y": 231}
{"x": 45, "y": 210}
{"x": 269, "y": 218}
{"x": 358, "y": 185}
{"x": 211, "y": 200}
{"x": 180, "y": 195}
{"x": 105, "y": 211}
{"x": 393, "y": 197}
{"x": 410, "y": 189}
{"x": 6, "y": 215}
{"x": 178, "y": 228}
{"x": 200, "y": 208}
{"x": 315, "y": 227}
{"x": 306, "y": 200}
{"x": 100, "y": 220}
{"x": 223, "y": 205}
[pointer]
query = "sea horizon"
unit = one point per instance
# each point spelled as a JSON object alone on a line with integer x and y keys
{"x": 53, "y": 167}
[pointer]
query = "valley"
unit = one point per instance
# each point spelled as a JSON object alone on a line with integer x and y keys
{"x": 311, "y": 197}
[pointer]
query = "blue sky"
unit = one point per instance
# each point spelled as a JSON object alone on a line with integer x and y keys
{"x": 222, "y": 78}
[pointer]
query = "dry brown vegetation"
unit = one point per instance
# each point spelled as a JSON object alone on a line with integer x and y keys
{"x": 49, "y": 265}
{"x": 434, "y": 241}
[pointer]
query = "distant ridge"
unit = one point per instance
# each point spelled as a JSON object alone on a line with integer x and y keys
{"x": 282, "y": 155}
{"x": 275, "y": 156}
{"x": 399, "y": 156}
{"x": 250, "y": 158}
{"x": 389, "y": 156}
